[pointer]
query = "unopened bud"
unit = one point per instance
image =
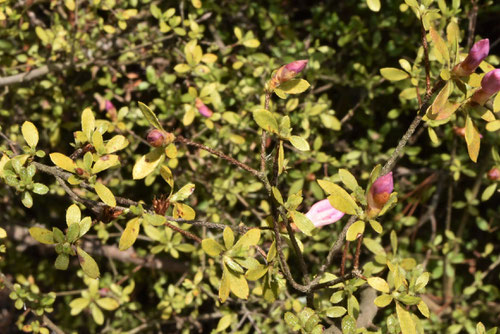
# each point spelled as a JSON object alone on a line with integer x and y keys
{"x": 490, "y": 85}
{"x": 287, "y": 72}
{"x": 379, "y": 194}
{"x": 494, "y": 174}
{"x": 156, "y": 138}
{"x": 477, "y": 53}
{"x": 202, "y": 108}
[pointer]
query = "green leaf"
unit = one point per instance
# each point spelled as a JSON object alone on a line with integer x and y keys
{"x": 376, "y": 226}
{"x": 228, "y": 237}
{"x": 266, "y": 120}
{"x": 374, "y": 5}
{"x": 62, "y": 161}
{"x": 73, "y": 215}
{"x": 251, "y": 43}
{"x": 335, "y": 311}
{"x": 105, "y": 194}
{"x": 96, "y": 314}
{"x": 339, "y": 199}
{"x": 155, "y": 220}
{"x": 40, "y": 189}
{"x": 405, "y": 320}
{"x": 234, "y": 266}
{"x": 378, "y": 284}
{"x": 150, "y": 116}
{"x": 299, "y": 143}
{"x": 30, "y": 134}
{"x": 472, "y": 139}
{"x": 73, "y": 232}
{"x": 440, "y": 44}
{"x": 224, "y": 287}
{"x": 294, "y": 86}
{"x": 383, "y": 300}
{"x": 77, "y": 305}
{"x": 85, "y": 225}
{"x": 256, "y": 273}
{"x": 348, "y": 179}
{"x": 251, "y": 238}
{"x": 238, "y": 285}
{"x": 130, "y": 234}
{"x": 88, "y": 123}
{"x": 212, "y": 247}
{"x": 224, "y": 323}
{"x": 393, "y": 74}
{"x": 488, "y": 192}
{"x": 183, "y": 193}
{"x": 147, "y": 163}
{"x": 42, "y": 235}
{"x": 116, "y": 143}
{"x": 26, "y": 199}
{"x": 87, "y": 263}
{"x": 277, "y": 195}
{"x": 105, "y": 162}
{"x": 62, "y": 262}
{"x": 292, "y": 321}
{"x": 107, "y": 303}
{"x": 357, "y": 228}
{"x": 422, "y": 281}
{"x": 348, "y": 325}
{"x": 302, "y": 222}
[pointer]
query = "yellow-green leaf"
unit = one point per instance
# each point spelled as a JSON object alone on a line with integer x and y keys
{"x": 150, "y": 116}
{"x": 422, "y": 307}
{"x": 422, "y": 281}
{"x": 96, "y": 314}
{"x": 62, "y": 161}
{"x": 348, "y": 179}
{"x": 357, "y": 228}
{"x": 238, "y": 285}
{"x": 30, "y": 134}
{"x": 295, "y": 86}
{"x": 335, "y": 311}
{"x": 105, "y": 162}
{"x": 375, "y": 226}
{"x": 339, "y": 198}
{"x": 493, "y": 126}
{"x": 299, "y": 143}
{"x": 3, "y": 233}
{"x": 265, "y": 120}
{"x": 73, "y": 215}
{"x": 87, "y": 263}
{"x": 405, "y": 320}
{"x": 130, "y": 234}
{"x": 116, "y": 143}
{"x": 251, "y": 238}
{"x": 147, "y": 164}
{"x": 441, "y": 99}
{"x": 440, "y": 44}
{"x": 393, "y": 74}
{"x": 224, "y": 323}
{"x": 78, "y": 304}
{"x": 105, "y": 194}
{"x": 378, "y": 284}
{"x": 182, "y": 68}
{"x": 212, "y": 247}
{"x": 224, "y": 287}
{"x": 251, "y": 43}
{"x": 107, "y": 303}
{"x": 88, "y": 123}
{"x": 42, "y": 235}
{"x": 228, "y": 237}
{"x": 472, "y": 139}
{"x": 302, "y": 222}
{"x": 383, "y": 300}
{"x": 374, "y": 5}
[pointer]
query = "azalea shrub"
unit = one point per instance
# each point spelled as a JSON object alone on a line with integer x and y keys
{"x": 249, "y": 167}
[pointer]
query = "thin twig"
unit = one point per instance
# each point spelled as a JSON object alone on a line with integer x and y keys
{"x": 183, "y": 232}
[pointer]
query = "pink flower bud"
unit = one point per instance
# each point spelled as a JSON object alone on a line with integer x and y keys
{"x": 489, "y": 86}
{"x": 323, "y": 213}
{"x": 494, "y": 174}
{"x": 477, "y": 53}
{"x": 156, "y": 138}
{"x": 202, "y": 108}
{"x": 379, "y": 194}
{"x": 109, "y": 105}
{"x": 287, "y": 72}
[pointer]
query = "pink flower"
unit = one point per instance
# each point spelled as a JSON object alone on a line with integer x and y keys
{"x": 287, "y": 72}
{"x": 323, "y": 213}
{"x": 202, "y": 108}
{"x": 156, "y": 138}
{"x": 379, "y": 194}
{"x": 489, "y": 86}
{"x": 109, "y": 105}
{"x": 494, "y": 174}
{"x": 477, "y": 53}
